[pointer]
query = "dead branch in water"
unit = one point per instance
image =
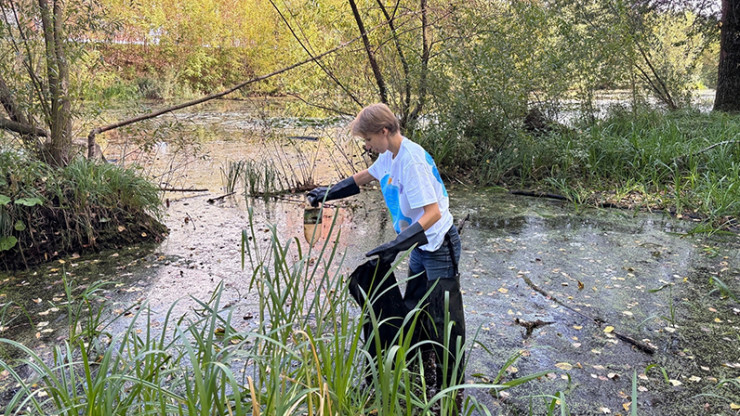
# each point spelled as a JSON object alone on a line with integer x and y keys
{"x": 183, "y": 189}
{"x": 638, "y": 344}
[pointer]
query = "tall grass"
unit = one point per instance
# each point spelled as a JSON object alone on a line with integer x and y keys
{"x": 83, "y": 205}
{"x": 305, "y": 356}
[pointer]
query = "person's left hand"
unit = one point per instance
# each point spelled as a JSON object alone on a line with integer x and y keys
{"x": 386, "y": 252}
{"x": 413, "y": 234}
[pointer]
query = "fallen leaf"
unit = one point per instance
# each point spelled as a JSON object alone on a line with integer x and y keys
{"x": 39, "y": 300}
{"x": 564, "y": 366}
{"x": 609, "y": 329}
{"x": 121, "y": 228}
{"x": 628, "y": 313}
{"x": 627, "y": 406}
{"x": 577, "y": 327}
{"x": 613, "y": 376}
{"x": 734, "y": 406}
{"x": 642, "y": 388}
{"x": 503, "y": 290}
{"x": 604, "y": 410}
{"x": 675, "y": 383}
{"x": 694, "y": 378}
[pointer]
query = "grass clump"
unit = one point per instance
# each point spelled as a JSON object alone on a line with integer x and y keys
{"x": 685, "y": 162}
{"x": 46, "y": 212}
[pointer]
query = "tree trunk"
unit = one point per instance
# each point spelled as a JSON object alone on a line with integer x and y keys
{"x": 382, "y": 90}
{"x": 728, "y": 75}
{"x": 60, "y": 119}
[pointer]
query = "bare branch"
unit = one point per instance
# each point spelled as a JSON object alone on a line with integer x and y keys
{"x": 382, "y": 90}
{"x": 323, "y": 67}
{"x": 98, "y": 130}
{"x": 22, "y": 129}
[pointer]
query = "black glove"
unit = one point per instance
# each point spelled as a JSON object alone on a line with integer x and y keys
{"x": 346, "y": 187}
{"x": 412, "y": 235}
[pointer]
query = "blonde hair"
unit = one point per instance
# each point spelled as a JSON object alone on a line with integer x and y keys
{"x": 373, "y": 119}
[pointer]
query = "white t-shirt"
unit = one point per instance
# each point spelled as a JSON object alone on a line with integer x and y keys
{"x": 409, "y": 182}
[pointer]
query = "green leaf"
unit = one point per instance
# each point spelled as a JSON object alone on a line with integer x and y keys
{"x": 29, "y": 202}
{"x": 7, "y": 242}
{"x": 4, "y": 200}
{"x": 20, "y": 226}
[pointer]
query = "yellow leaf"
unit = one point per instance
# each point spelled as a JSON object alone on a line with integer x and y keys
{"x": 734, "y": 406}
{"x": 578, "y": 327}
{"x": 503, "y": 290}
{"x": 609, "y": 329}
{"x": 564, "y": 366}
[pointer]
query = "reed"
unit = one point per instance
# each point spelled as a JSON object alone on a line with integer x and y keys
{"x": 305, "y": 356}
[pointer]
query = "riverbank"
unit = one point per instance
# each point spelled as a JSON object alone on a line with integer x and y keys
{"x": 48, "y": 213}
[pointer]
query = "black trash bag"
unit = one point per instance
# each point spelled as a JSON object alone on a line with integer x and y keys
{"x": 369, "y": 281}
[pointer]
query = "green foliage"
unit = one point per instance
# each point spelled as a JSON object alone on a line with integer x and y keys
{"x": 683, "y": 162}
{"x": 86, "y": 204}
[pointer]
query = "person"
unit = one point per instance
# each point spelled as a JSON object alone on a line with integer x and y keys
{"x": 419, "y": 207}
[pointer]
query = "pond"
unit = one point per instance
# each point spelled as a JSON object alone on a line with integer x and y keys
{"x": 615, "y": 294}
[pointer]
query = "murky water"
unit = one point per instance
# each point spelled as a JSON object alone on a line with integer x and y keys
{"x": 597, "y": 277}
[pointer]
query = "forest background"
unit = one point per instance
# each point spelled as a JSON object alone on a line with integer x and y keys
{"x": 483, "y": 85}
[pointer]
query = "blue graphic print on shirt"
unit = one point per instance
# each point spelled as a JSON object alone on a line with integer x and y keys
{"x": 435, "y": 171}
{"x": 391, "y": 194}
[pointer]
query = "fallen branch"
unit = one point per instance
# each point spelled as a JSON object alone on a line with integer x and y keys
{"x": 98, "y": 130}
{"x": 218, "y": 198}
{"x": 183, "y": 189}
{"x": 638, "y": 344}
{"x": 707, "y": 149}
{"x": 540, "y": 195}
{"x": 531, "y": 326}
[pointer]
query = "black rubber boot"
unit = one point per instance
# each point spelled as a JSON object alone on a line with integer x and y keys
{"x": 440, "y": 321}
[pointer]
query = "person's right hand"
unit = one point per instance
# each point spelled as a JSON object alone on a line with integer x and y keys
{"x": 316, "y": 195}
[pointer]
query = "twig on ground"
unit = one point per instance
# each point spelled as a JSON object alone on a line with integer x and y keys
{"x": 638, "y": 344}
